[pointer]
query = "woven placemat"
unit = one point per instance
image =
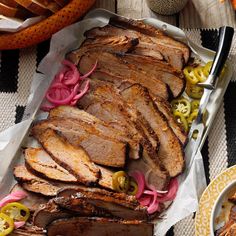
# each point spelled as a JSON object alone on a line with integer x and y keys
{"x": 18, "y": 66}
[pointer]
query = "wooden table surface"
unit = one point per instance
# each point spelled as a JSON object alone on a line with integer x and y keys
{"x": 196, "y": 14}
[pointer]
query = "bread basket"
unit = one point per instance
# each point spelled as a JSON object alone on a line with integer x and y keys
{"x": 46, "y": 28}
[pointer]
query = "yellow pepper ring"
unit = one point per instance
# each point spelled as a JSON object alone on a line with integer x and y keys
{"x": 189, "y": 75}
{"x": 16, "y": 211}
{"x": 181, "y": 120}
{"x": 6, "y": 224}
{"x": 195, "y": 105}
{"x": 120, "y": 181}
{"x": 192, "y": 117}
{"x": 133, "y": 188}
{"x": 206, "y": 69}
{"x": 194, "y": 91}
{"x": 181, "y": 105}
{"x": 198, "y": 73}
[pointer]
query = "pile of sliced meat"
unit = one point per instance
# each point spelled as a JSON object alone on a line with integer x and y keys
{"x": 124, "y": 122}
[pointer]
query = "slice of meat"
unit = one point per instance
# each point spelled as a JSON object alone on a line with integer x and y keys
{"x": 86, "y": 226}
{"x": 52, "y": 170}
{"x": 120, "y": 71}
{"x": 116, "y": 204}
{"x": 33, "y": 183}
{"x": 116, "y": 44}
{"x": 28, "y": 230}
{"x": 74, "y": 159}
{"x": 78, "y": 134}
{"x": 99, "y": 206}
{"x": 116, "y": 112}
{"x": 150, "y": 30}
{"x": 170, "y": 152}
{"x": 37, "y": 160}
{"x": 165, "y": 109}
{"x": 48, "y": 213}
{"x": 106, "y": 178}
{"x": 136, "y": 25}
{"x": 91, "y": 123}
{"x": 32, "y": 201}
{"x": 161, "y": 70}
{"x": 148, "y": 46}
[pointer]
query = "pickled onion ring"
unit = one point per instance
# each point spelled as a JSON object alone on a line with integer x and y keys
{"x": 173, "y": 187}
{"x": 19, "y": 224}
{"x": 140, "y": 180}
{"x": 67, "y": 87}
{"x": 90, "y": 72}
{"x": 13, "y": 197}
{"x": 70, "y": 77}
{"x": 145, "y": 200}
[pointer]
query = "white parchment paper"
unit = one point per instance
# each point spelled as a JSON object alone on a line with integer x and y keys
{"x": 191, "y": 182}
{"x": 8, "y": 24}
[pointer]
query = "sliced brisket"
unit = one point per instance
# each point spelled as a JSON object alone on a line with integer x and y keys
{"x": 101, "y": 149}
{"x": 170, "y": 152}
{"x": 116, "y": 44}
{"x": 118, "y": 71}
{"x": 87, "y": 226}
{"x": 152, "y": 31}
{"x": 74, "y": 159}
{"x": 91, "y": 122}
{"x": 156, "y": 68}
{"x": 37, "y": 160}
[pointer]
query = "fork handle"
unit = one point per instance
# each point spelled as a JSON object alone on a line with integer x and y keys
{"x": 225, "y": 39}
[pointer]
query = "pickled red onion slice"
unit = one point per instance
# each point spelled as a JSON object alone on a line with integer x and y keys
{"x": 172, "y": 191}
{"x": 140, "y": 180}
{"x": 90, "y": 72}
{"x": 71, "y": 76}
{"x": 13, "y": 197}
{"x": 19, "y": 224}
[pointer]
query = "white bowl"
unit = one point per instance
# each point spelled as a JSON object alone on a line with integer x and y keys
{"x": 217, "y": 208}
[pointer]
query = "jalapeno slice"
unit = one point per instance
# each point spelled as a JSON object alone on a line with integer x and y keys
{"x": 181, "y": 120}
{"x": 133, "y": 188}
{"x": 199, "y": 74}
{"x": 120, "y": 181}
{"x": 206, "y": 69}
{"x": 189, "y": 75}
{"x": 195, "y": 104}
{"x": 16, "y": 211}
{"x": 194, "y": 91}
{"x": 192, "y": 117}
{"x": 6, "y": 224}
{"x": 181, "y": 105}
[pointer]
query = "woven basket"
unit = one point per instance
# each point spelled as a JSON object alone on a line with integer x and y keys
{"x": 46, "y": 28}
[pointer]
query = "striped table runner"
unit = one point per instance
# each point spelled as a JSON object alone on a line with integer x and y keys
{"x": 219, "y": 152}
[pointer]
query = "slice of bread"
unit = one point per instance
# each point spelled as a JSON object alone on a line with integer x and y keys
{"x": 62, "y": 3}
{"x": 34, "y": 6}
{"x": 9, "y": 3}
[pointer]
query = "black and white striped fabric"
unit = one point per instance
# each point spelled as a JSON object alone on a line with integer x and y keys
{"x": 219, "y": 152}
